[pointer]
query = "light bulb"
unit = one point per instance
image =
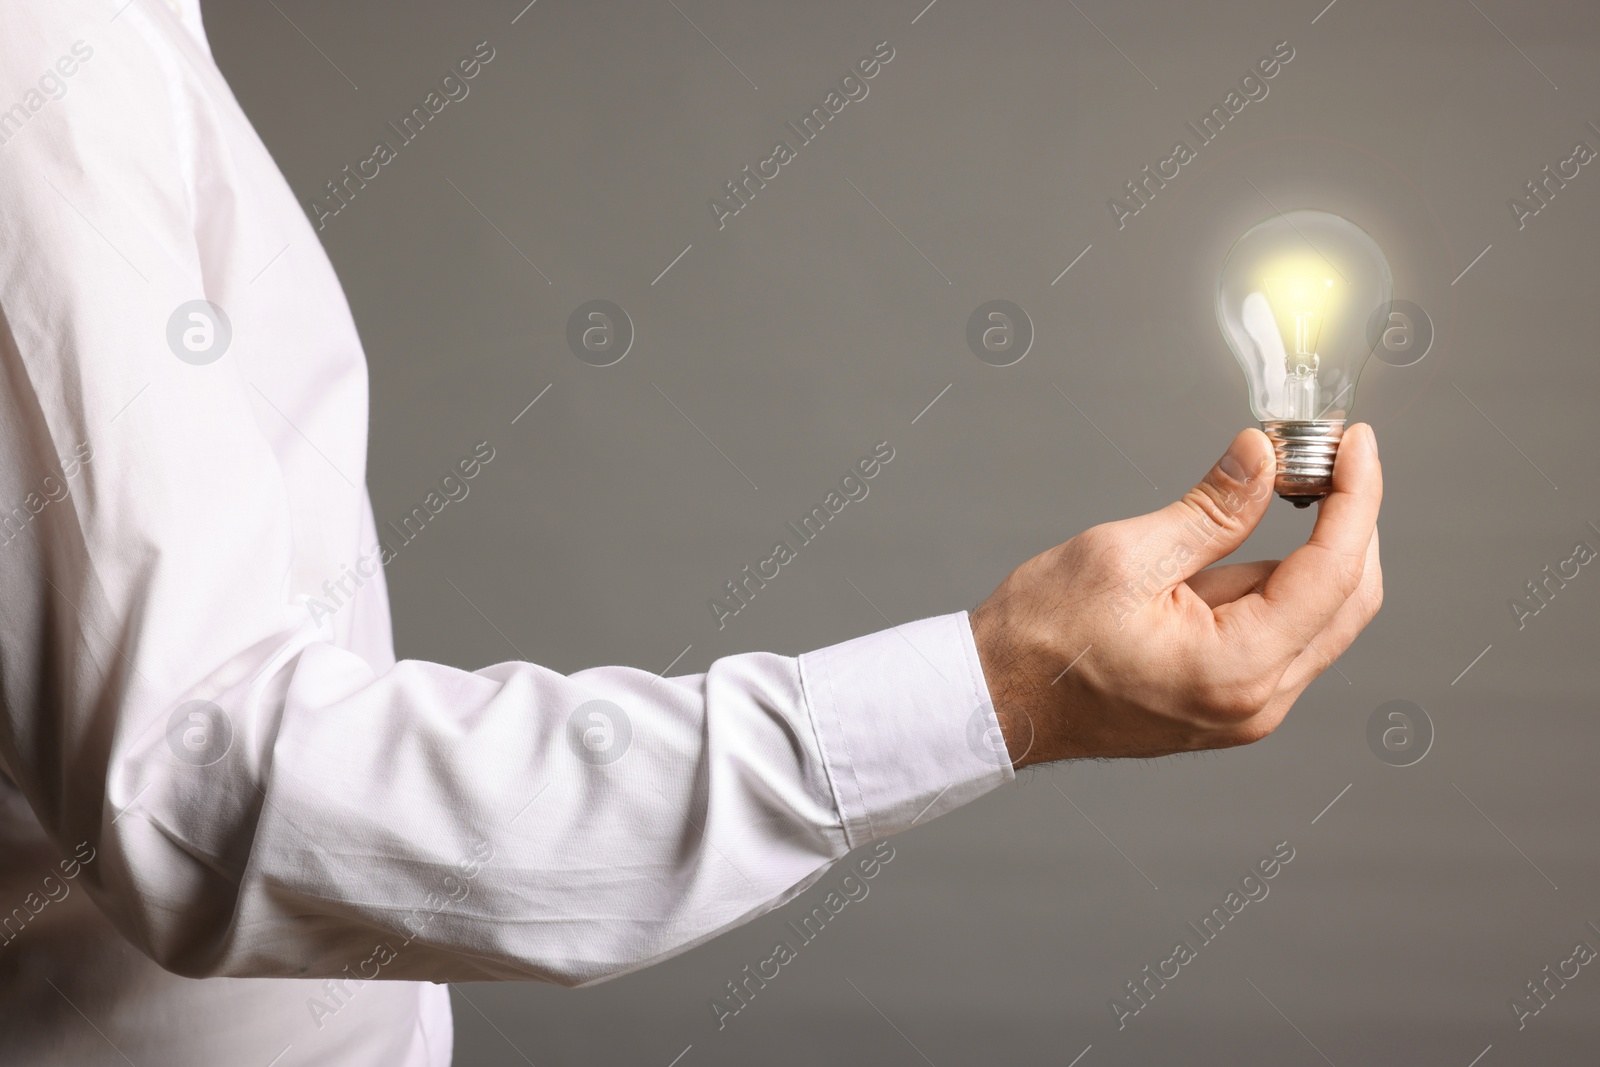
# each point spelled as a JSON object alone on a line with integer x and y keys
{"x": 1293, "y": 300}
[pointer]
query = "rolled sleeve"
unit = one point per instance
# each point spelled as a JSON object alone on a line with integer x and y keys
{"x": 905, "y": 725}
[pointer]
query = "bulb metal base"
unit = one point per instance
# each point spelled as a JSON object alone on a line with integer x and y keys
{"x": 1305, "y": 450}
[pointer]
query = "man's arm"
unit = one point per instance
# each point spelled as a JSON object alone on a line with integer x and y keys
{"x": 454, "y": 818}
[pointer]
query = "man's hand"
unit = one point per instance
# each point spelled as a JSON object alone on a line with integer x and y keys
{"x": 1120, "y": 643}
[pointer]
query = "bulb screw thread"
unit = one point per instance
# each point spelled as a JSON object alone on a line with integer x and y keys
{"x": 1305, "y": 449}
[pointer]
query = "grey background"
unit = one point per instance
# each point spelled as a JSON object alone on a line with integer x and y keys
{"x": 809, "y": 329}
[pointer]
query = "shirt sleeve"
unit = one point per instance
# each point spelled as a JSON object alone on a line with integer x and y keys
{"x": 259, "y": 792}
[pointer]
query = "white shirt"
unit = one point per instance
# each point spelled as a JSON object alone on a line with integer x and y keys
{"x": 203, "y": 776}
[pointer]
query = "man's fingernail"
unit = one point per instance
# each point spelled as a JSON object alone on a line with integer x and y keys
{"x": 1233, "y": 462}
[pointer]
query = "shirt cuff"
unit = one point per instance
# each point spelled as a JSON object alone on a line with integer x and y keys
{"x": 905, "y": 725}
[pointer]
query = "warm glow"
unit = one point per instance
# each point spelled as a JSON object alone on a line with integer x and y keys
{"x": 1303, "y": 297}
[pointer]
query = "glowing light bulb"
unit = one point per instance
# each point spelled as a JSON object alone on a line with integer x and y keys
{"x": 1293, "y": 300}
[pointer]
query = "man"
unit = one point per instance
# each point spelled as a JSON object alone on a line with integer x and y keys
{"x": 234, "y": 829}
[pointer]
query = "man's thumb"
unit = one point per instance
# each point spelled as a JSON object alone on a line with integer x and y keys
{"x": 1213, "y": 518}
